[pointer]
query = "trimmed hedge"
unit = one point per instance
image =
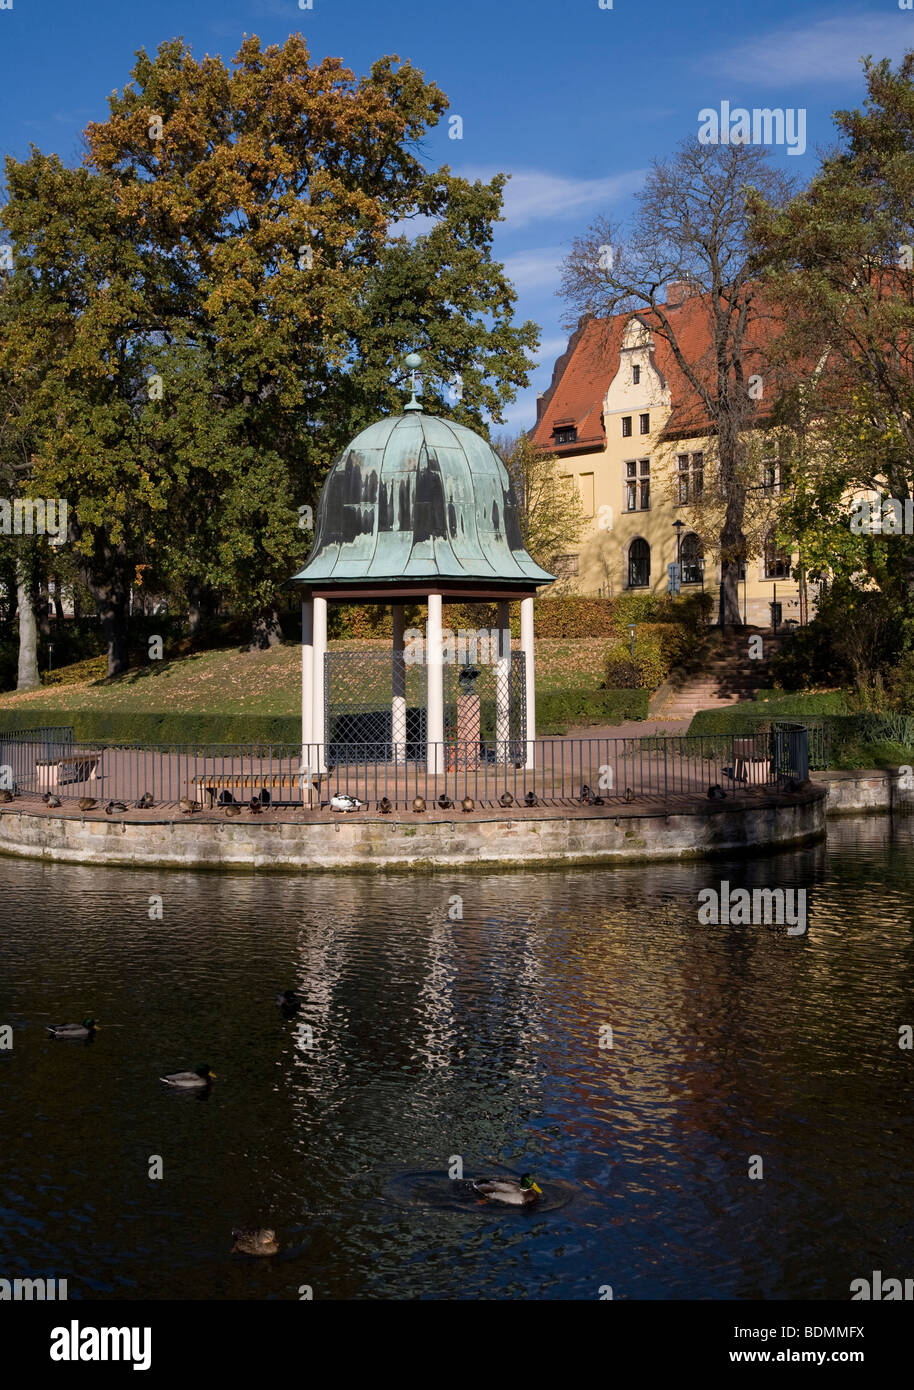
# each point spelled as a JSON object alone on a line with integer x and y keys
{"x": 562, "y": 709}
{"x": 148, "y": 727}
{"x": 555, "y": 711}
{"x": 555, "y": 616}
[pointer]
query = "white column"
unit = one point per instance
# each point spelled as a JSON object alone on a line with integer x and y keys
{"x": 317, "y": 686}
{"x": 434, "y": 660}
{"x": 503, "y": 680}
{"x": 307, "y": 676}
{"x": 398, "y": 701}
{"x": 526, "y": 644}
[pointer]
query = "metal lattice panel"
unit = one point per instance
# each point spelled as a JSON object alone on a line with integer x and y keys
{"x": 359, "y": 690}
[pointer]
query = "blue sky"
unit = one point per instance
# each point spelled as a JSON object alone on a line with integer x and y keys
{"x": 572, "y": 100}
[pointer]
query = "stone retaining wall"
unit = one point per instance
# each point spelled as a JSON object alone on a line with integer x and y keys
{"x": 367, "y": 842}
{"x": 866, "y": 790}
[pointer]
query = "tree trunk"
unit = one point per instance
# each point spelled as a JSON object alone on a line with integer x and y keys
{"x": 111, "y": 591}
{"x": 43, "y": 610}
{"x": 266, "y": 631}
{"x": 194, "y": 610}
{"x": 732, "y": 536}
{"x": 28, "y": 628}
{"x": 58, "y": 600}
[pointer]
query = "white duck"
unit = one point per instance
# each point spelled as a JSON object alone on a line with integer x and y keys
{"x": 345, "y": 803}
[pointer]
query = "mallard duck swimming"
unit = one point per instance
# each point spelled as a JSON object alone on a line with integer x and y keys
{"x": 87, "y": 803}
{"x": 290, "y": 999}
{"x": 512, "y": 1192}
{"x": 253, "y": 1240}
{"x": 72, "y": 1030}
{"x": 342, "y": 802}
{"x": 195, "y": 1080}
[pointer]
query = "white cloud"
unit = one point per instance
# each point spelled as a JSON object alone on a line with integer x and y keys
{"x": 551, "y": 348}
{"x": 533, "y": 195}
{"x": 537, "y": 269}
{"x": 826, "y": 50}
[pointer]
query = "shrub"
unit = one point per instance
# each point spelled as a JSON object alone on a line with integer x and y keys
{"x": 658, "y": 648}
{"x": 807, "y": 658}
{"x": 899, "y": 685}
{"x": 560, "y": 710}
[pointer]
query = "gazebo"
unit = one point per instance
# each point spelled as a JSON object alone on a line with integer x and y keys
{"x": 418, "y": 509}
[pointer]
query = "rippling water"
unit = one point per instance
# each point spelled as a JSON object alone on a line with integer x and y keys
{"x": 478, "y": 1039}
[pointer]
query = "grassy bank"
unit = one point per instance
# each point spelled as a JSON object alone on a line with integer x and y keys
{"x": 232, "y": 695}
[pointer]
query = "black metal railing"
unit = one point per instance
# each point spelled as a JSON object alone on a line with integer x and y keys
{"x": 561, "y": 771}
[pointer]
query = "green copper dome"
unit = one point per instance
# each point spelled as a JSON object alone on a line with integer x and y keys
{"x": 416, "y": 498}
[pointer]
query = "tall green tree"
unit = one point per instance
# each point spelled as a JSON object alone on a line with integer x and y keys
{"x": 839, "y": 258}
{"x": 235, "y": 293}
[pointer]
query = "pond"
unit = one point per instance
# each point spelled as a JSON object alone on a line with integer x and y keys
{"x": 429, "y": 1040}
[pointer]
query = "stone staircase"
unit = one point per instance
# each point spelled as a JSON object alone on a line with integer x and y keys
{"x": 726, "y": 676}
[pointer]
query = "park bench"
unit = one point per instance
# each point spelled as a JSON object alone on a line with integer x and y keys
{"x": 67, "y": 767}
{"x": 244, "y": 785}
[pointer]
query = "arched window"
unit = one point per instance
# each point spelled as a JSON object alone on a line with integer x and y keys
{"x": 691, "y": 556}
{"x": 777, "y": 562}
{"x": 639, "y": 564}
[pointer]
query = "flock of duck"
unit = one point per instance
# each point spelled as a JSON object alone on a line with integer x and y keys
{"x": 262, "y": 1240}
{"x": 340, "y": 801}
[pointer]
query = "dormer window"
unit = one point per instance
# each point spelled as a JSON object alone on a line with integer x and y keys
{"x": 636, "y": 375}
{"x": 565, "y": 434}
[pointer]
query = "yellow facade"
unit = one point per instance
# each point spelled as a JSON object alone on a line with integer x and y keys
{"x": 630, "y": 490}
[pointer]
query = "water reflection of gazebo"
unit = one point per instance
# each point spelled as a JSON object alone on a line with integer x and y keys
{"x": 418, "y": 509}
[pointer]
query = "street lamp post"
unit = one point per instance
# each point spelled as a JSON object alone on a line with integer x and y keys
{"x": 679, "y": 523}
